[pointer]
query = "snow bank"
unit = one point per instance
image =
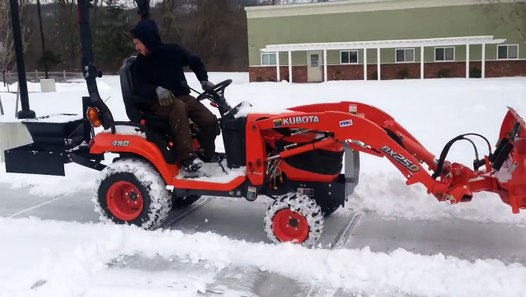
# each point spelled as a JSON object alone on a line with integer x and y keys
{"x": 70, "y": 258}
{"x": 387, "y": 195}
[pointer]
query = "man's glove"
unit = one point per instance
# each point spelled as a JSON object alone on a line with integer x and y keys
{"x": 207, "y": 86}
{"x": 164, "y": 96}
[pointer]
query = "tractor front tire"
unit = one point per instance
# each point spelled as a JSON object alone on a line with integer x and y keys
{"x": 295, "y": 218}
{"x": 131, "y": 191}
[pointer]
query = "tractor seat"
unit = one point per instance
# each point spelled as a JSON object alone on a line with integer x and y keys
{"x": 152, "y": 124}
{"x": 134, "y": 111}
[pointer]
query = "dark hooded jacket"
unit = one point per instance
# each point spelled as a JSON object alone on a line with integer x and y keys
{"x": 163, "y": 66}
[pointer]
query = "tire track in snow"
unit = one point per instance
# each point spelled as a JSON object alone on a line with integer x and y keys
{"x": 26, "y": 210}
{"x": 176, "y": 216}
{"x": 344, "y": 234}
{"x": 341, "y": 238}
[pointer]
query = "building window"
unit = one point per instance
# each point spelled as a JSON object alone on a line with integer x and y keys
{"x": 507, "y": 51}
{"x": 404, "y": 55}
{"x": 444, "y": 54}
{"x": 268, "y": 59}
{"x": 349, "y": 57}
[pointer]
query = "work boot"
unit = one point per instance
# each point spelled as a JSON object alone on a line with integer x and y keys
{"x": 191, "y": 164}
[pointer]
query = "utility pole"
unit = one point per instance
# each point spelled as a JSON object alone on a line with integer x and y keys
{"x": 44, "y": 56}
{"x": 25, "y": 113}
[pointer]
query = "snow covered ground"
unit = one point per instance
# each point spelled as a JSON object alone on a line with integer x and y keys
{"x": 47, "y": 253}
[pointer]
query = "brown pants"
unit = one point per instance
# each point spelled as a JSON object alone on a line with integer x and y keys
{"x": 177, "y": 115}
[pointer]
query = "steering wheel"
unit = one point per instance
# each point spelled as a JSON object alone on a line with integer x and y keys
{"x": 216, "y": 90}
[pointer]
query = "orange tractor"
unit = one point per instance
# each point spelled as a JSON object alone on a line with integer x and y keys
{"x": 296, "y": 158}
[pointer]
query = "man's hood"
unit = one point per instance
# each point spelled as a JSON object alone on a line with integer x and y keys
{"x": 148, "y": 33}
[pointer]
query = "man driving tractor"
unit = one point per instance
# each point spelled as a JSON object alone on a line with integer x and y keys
{"x": 161, "y": 84}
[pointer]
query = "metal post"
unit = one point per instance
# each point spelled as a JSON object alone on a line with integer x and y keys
{"x": 325, "y": 78}
{"x": 467, "y": 60}
{"x": 25, "y": 113}
{"x": 422, "y": 53}
{"x": 483, "y": 70}
{"x": 1, "y": 107}
{"x": 64, "y": 74}
{"x": 378, "y": 64}
{"x": 290, "y": 67}
{"x": 42, "y": 39}
{"x": 278, "y": 72}
{"x": 365, "y": 64}
{"x": 89, "y": 71}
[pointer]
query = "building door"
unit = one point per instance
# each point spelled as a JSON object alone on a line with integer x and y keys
{"x": 314, "y": 67}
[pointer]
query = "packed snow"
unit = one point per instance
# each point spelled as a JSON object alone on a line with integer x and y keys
{"x": 51, "y": 258}
{"x": 71, "y": 257}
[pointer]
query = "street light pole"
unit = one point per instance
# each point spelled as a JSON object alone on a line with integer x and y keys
{"x": 44, "y": 56}
{"x": 25, "y": 113}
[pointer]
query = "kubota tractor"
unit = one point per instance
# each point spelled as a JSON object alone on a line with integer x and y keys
{"x": 295, "y": 157}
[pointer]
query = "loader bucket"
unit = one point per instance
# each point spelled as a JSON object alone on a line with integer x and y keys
{"x": 509, "y": 161}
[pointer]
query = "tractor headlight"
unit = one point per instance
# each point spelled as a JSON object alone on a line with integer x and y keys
{"x": 94, "y": 117}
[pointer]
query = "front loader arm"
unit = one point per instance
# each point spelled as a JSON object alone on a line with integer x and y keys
{"x": 381, "y": 119}
{"x": 361, "y": 133}
{"x": 370, "y": 130}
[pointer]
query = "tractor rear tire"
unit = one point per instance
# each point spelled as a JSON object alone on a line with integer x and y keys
{"x": 295, "y": 218}
{"x": 131, "y": 191}
{"x": 182, "y": 202}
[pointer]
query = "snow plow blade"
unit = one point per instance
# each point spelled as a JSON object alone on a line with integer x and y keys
{"x": 52, "y": 142}
{"x": 509, "y": 161}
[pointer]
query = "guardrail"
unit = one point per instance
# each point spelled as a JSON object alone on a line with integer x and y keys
{"x": 9, "y": 77}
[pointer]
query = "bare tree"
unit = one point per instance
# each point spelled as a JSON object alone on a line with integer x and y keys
{"x": 66, "y": 39}
{"x": 171, "y": 17}
{"x": 514, "y": 14}
{"x": 208, "y": 16}
{"x": 219, "y": 33}
{"x": 7, "y": 50}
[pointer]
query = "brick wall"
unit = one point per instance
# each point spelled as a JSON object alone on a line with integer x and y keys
{"x": 395, "y": 71}
{"x": 262, "y": 73}
{"x": 506, "y": 68}
{"x": 345, "y": 72}
{"x": 445, "y": 69}
{"x": 268, "y": 73}
{"x": 399, "y": 71}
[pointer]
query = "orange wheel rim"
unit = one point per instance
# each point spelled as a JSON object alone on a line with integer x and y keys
{"x": 125, "y": 201}
{"x": 289, "y": 225}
